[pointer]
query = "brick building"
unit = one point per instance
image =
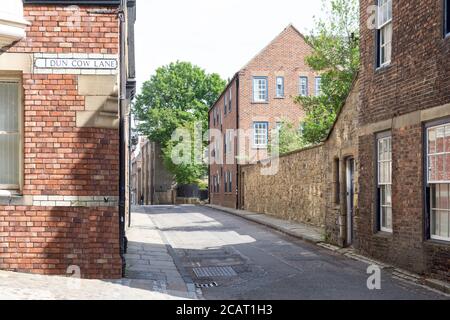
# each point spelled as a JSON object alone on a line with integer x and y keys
{"x": 151, "y": 183}
{"x": 65, "y": 75}
{"x": 403, "y": 214}
{"x": 256, "y": 101}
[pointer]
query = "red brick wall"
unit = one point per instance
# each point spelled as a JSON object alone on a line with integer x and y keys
{"x": 61, "y": 159}
{"x": 49, "y": 240}
{"x": 419, "y": 74}
{"x": 227, "y": 199}
{"x": 418, "y": 78}
{"x": 59, "y": 29}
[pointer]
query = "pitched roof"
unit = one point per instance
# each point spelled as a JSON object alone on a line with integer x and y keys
{"x": 285, "y": 30}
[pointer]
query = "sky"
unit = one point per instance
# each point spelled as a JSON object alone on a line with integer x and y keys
{"x": 217, "y": 35}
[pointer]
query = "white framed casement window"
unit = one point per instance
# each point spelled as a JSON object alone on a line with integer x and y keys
{"x": 318, "y": 86}
{"x": 260, "y": 135}
{"x": 229, "y": 146}
{"x": 225, "y": 182}
{"x": 438, "y": 180}
{"x": 384, "y": 164}
{"x": 384, "y": 32}
{"x": 225, "y": 104}
{"x": 260, "y": 89}
{"x": 303, "y": 86}
{"x": 11, "y": 136}
{"x": 230, "y": 100}
{"x": 230, "y": 182}
{"x": 280, "y": 87}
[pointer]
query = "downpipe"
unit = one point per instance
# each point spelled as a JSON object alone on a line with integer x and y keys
{"x": 122, "y": 141}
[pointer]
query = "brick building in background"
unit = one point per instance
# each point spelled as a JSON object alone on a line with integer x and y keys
{"x": 403, "y": 214}
{"x": 257, "y": 100}
{"x": 151, "y": 183}
{"x": 65, "y": 73}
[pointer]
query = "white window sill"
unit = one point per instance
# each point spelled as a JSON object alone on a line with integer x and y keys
{"x": 437, "y": 238}
{"x": 383, "y": 66}
{"x": 9, "y": 194}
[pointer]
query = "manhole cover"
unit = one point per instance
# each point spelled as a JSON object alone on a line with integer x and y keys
{"x": 210, "y": 272}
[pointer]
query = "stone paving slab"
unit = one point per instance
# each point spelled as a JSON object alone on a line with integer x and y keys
{"x": 19, "y": 286}
{"x": 298, "y": 230}
{"x": 148, "y": 256}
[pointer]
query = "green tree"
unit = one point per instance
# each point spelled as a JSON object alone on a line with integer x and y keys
{"x": 177, "y": 96}
{"x": 289, "y": 139}
{"x": 335, "y": 43}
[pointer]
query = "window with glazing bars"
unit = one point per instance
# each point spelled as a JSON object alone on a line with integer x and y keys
{"x": 438, "y": 180}
{"x": 260, "y": 134}
{"x": 385, "y": 182}
{"x": 10, "y": 135}
{"x": 260, "y": 93}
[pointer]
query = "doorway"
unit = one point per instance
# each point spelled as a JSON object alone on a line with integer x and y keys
{"x": 350, "y": 182}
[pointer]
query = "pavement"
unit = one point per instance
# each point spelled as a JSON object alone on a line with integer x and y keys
{"x": 197, "y": 252}
{"x": 229, "y": 258}
{"x": 20, "y": 286}
{"x": 295, "y": 229}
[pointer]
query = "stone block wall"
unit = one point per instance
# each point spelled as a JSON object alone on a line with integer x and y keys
{"x": 306, "y": 185}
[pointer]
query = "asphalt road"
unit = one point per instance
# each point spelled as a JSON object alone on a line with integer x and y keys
{"x": 250, "y": 261}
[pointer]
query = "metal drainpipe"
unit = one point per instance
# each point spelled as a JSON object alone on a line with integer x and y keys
{"x": 122, "y": 142}
{"x": 129, "y": 167}
{"x": 238, "y": 180}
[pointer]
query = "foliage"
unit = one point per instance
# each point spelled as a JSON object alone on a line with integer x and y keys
{"x": 177, "y": 96}
{"x": 289, "y": 139}
{"x": 335, "y": 43}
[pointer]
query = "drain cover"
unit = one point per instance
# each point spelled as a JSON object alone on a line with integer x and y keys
{"x": 210, "y": 272}
{"x": 207, "y": 285}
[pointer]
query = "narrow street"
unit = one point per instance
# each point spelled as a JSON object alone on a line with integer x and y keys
{"x": 231, "y": 258}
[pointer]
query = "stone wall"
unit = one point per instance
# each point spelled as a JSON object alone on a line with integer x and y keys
{"x": 306, "y": 186}
{"x": 296, "y": 192}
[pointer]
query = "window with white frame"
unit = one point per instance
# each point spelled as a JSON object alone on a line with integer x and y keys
{"x": 230, "y": 182}
{"x": 260, "y": 134}
{"x": 225, "y": 148}
{"x": 225, "y": 182}
{"x": 10, "y": 135}
{"x": 385, "y": 181}
{"x": 318, "y": 86}
{"x": 303, "y": 89}
{"x": 438, "y": 176}
{"x": 280, "y": 87}
{"x": 218, "y": 182}
{"x": 278, "y": 126}
{"x": 229, "y": 135}
{"x": 260, "y": 89}
{"x": 384, "y": 32}
{"x": 446, "y": 17}
{"x": 230, "y": 99}
{"x": 225, "y": 104}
